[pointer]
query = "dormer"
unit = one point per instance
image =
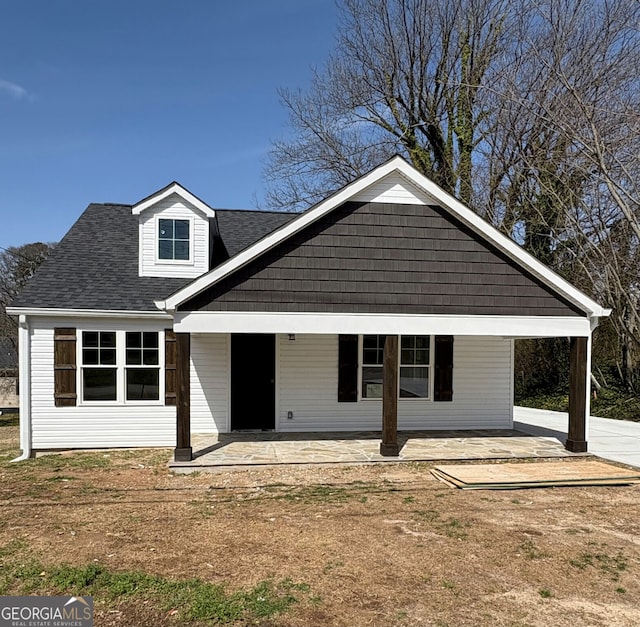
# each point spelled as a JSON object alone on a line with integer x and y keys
{"x": 174, "y": 233}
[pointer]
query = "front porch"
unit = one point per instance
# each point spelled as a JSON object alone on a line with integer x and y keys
{"x": 211, "y": 452}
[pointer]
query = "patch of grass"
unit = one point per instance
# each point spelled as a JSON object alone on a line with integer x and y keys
{"x": 545, "y": 593}
{"x": 9, "y": 418}
{"x": 609, "y": 565}
{"x": 531, "y": 551}
{"x": 58, "y": 462}
{"x": 430, "y": 515}
{"x": 454, "y": 528}
{"x": 195, "y": 599}
{"x": 409, "y": 499}
{"x": 621, "y": 590}
{"x": 610, "y": 403}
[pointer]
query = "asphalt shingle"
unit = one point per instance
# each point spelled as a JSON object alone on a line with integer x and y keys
{"x": 95, "y": 266}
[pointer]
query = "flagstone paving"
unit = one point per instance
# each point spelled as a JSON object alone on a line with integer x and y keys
{"x": 241, "y": 449}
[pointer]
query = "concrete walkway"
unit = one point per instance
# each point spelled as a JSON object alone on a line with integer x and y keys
{"x": 617, "y": 440}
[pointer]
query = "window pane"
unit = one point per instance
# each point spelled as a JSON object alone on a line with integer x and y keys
{"x": 108, "y": 339}
{"x": 134, "y": 339}
{"x": 108, "y": 356}
{"x": 134, "y": 357}
{"x": 414, "y": 382}
{"x": 408, "y": 341}
{"x": 165, "y": 249}
{"x": 143, "y": 384}
{"x": 370, "y": 357}
{"x": 181, "y": 250}
{"x": 90, "y": 338}
{"x": 181, "y": 229}
{"x": 150, "y": 339}
{"x": 370, "y": 341}
{"x": 407, "y": 356}
{"x": 150, "y": 357}
{"x": 99, "y": 384}
{"x": 422, "y": 357}
{"x": 90, "y": 356}
{"x": 372, "y": 382}
{"x": 422, "y": 341}
{"x": 165, "y": 229}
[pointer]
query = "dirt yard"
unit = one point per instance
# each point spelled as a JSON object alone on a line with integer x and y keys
{"x": 363, "y": 545}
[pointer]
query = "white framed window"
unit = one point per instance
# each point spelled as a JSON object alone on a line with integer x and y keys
{"x": 142, "y": 366}
{"x": 99, "y": 366}
{"x": 174, "y": 240}
{"x": 414, "y": 365}
{"x": 120, "y": 367}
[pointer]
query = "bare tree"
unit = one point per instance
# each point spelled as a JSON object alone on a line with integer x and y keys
{"x": 17, "y": 266}
{"x": 563, "y": 160}
{"x": 406, "y": 78}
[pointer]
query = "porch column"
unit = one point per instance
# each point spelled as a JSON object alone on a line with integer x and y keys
{"x": 578, "y": 387}
{"x": 183, "y": 452}
{"x": 389, "y": 444}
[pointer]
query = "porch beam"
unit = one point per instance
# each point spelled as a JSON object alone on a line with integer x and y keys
{"x": 389, "y": 444}
{"x": 183, "y": 451}
{"x": 578, "y": 373}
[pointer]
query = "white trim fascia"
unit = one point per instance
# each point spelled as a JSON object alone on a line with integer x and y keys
{"x": 173, "y": 188}
{"x": 402, "y": 324}
{"x": 455, "y": 207}
{"x": 87, "y": 313}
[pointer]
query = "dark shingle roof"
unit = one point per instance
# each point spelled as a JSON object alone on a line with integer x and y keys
{"x": 95, "y": 266}
{"x": 240, "y": 228}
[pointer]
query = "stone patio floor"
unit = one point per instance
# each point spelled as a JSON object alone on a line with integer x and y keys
{"x": 268, "y": 448}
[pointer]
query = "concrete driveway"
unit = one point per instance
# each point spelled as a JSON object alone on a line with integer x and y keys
{"x": 617, "y": 440}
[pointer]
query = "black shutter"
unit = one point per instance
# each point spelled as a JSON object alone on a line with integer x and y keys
{"x": 170, "y": 361}
{"x": 347, "y": 368}
{"x": 443, "y": 376}
{"x": 64, "y": 367}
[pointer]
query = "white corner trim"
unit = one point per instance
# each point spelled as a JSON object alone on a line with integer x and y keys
{"x": 24, "y": 353}
{"x": 402, "y": 324}
{"x": 173, "y": 188}
{"x": 448, "y": 202}
{"x": 88, "y": 313}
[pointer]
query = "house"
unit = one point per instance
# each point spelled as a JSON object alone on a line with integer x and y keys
{"x": 387, "y": 306}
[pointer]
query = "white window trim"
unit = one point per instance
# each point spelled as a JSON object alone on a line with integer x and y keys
{"x": 120, "y": 366}
{"x": 173, "y": 262}
{"x": 401, "y": 399}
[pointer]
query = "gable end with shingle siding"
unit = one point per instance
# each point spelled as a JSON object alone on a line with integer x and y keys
{"x": 368, "y": 257}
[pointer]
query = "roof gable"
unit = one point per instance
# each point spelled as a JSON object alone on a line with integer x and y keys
{"x": 383, "y": 258}
{"x": 396, "y": 166}
{"x": 165, "y": 192}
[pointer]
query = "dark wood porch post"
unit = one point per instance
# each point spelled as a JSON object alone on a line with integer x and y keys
{"x": 389, "y": 444}
{"x": 183, "y": 452}
{"x": 576, "y": 436}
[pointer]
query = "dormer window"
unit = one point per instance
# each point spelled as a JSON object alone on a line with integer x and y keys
{"x": 173, "y": 240}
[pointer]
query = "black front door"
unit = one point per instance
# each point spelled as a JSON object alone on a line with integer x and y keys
{"x": 253, "y": 374}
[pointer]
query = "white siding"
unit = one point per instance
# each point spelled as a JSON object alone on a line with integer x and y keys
{"x": 90, "y": 426}
{"x": 307, "y": 382}
{"x": 173, "y": 207}
{"x": 394, "y": 188}
{"x": 209, "y": 383}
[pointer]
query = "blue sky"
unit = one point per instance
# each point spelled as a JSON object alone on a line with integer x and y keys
{"x": 108, "y": 101}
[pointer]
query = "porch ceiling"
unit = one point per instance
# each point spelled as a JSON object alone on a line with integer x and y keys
{"x": 329, "y": 324}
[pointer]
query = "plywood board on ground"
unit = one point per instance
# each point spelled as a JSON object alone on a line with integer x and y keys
{"x": 539, "y": 474}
